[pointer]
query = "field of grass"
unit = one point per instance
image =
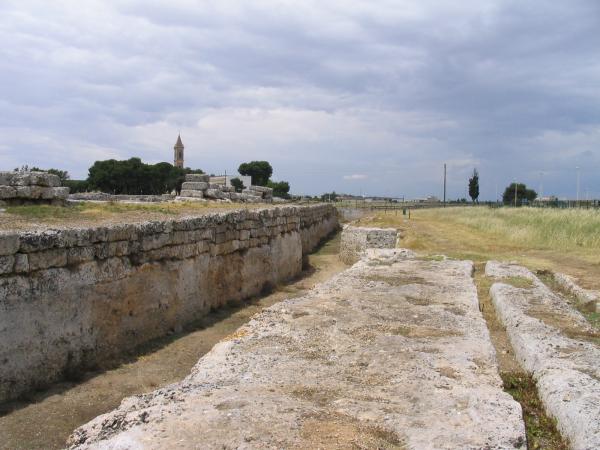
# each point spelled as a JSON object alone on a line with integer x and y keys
{"x": 92, "y": 213}
{"x": 560, "y": 240}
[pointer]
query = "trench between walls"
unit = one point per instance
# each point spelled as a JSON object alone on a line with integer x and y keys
{"x": 43, "y": 420}
{"x": 57, "y": 322}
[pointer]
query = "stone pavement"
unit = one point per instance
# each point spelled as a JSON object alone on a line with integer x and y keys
{"x": 556, "y": 344}
{"x": 391, "y": 353}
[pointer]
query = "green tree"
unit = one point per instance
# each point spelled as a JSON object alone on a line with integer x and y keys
{"x": 523, "y": 194}
{"x": 329, "y": 196}
{"x": 474, "y": 186}
{"x": 281, "y": 189}
{"x": 237, "y": 184}
{"x": 260, "y": 171}
{"x": 132, "y": 176}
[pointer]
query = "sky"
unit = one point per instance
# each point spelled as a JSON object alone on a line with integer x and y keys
{"x": 365, "y": 97}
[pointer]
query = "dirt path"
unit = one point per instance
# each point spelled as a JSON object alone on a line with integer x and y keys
{"x": 46, "y": 419}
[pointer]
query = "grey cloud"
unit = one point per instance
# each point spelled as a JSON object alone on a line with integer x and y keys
{"x": 388, "y": 89}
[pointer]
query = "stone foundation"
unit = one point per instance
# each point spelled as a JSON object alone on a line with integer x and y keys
{"x": 31, "y": 188}
{"x": 356, "y": 240}
{"x": 71, "y": 298}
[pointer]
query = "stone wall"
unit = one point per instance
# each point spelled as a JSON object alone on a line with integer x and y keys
{"x": 355, "y": 240}
{"x": 70, "y": 298}
{"x": 104, "y": 197}
{"x": 200, "y": 186}
{"x": 25, "y": 188}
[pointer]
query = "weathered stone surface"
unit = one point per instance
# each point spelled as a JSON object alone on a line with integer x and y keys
{"x": 9, "y": 243}
{"x": 355, "y": 240}
{"x": 549, "y": 339}
{"x": 590, "y": 300}
{"x": 32, "y": 187}
{"x": 194, "y": 185}
{"x": 104, "y": 197}
{"x": 70, "y": 297}
{"x": 392, "y": 353}
{"x": 29, "y": 179}
{"x": 192, "y": 193}
{"x": 195, "y": 177}
{"x": 7, "y": 192}
{"x": 215, "y": 193}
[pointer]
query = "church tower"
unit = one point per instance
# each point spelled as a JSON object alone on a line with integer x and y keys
{"x": 178, "y": 155}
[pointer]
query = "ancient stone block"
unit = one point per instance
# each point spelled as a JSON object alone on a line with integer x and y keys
{"x": 194, "y": 186}
{"x": 21, "y": 263}
{"x": 6, "y": 264}
{"x": 192, "y": 193}
{"x": 56, "y": 257}
{"x": 215, "y": 193}
{"x": 9, "y": 243}
{"x": 195, "y": 177}
{"x": 6, "y": 178}
{"x": 7, "y": 192}
{"x": 77, "y": 255}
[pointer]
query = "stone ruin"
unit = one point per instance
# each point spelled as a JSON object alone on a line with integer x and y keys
{"x": 31, "y": 188}
{"x": 199, "y": 186}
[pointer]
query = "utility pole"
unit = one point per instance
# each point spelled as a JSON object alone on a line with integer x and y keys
{"x": 515, "y": 193}
{"x": 541, "y": 185}
{"x": 577, "y": 169}
{"x": 444, "y": 185}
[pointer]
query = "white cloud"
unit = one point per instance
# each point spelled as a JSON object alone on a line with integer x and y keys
{"x": 356, "y": 176}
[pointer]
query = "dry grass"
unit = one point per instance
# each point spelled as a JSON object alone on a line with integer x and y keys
{"x": 94, "y": 213}
{"x": 558, "y": 240}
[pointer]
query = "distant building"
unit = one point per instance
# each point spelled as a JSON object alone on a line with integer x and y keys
{"x": 178, "y": 153}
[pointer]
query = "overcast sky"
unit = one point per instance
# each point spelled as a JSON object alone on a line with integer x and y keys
{"x": 365, "y": 97}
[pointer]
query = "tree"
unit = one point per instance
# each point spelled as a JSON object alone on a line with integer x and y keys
{"x": 524, "y": 195}
{"x": 326, "y": 197}
{"x": 474, "y": 186}
{"x": 132, "y": 176}
{"x": 237, "y": 184}
{"x": 281, "y": 189}
{"x": 260, "y": 171}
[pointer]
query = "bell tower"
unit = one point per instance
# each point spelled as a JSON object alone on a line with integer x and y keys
{"x": 178, "y": 154}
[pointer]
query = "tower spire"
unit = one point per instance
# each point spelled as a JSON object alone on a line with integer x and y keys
{"x": 178, "y": 152}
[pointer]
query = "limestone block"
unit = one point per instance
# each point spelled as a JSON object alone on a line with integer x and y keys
{"x": 44, "y": 179}
{"x": 77, "y": 255}
{"x": 6, "y": 178}
{"x": 235, "y": 196}
{"x": 261, "y": 189}
{"x": 194, "y": 186}
{"x": 215, "y": 193}
{"x": 195, "y": 177}
{"x": 61, "y": 192}
{"x": 121, "y": 232}
{"x": 9, "y": 243}
{"x": 192, "y": 193}
{"x": 56, "y": 257}
{"x": 215, "y": 186}
{"x": 6, "y": 264}
{"x": 7, "y": 192}
{"x": 21, "y": 263}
